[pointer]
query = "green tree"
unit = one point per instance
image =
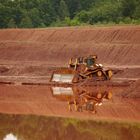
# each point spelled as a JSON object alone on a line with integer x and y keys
{"x": 5, "y": 15}
{"x": 26, "y": 22}
{"x": 35, "y": 17}
{"x": 47, "y": 12}
{"x": 12, "y": 23}
{"x": 74, "y": 7}
{"x": 137, "y": 11}
{"x": 63, "y": 10}
{"x": 84, "y": 16}
{"x": 42, "y": 13}
{"x": 128, "y": 7}
{"x": 102, "y": 11}
{"x": 42, "y": 25}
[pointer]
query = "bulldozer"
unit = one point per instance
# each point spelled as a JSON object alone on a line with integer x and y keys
{"x": 80, "y": 69}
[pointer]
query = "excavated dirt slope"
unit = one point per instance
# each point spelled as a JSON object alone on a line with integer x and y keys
{"x": 113, "y": 45}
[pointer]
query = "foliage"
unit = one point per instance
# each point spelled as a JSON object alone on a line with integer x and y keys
{"x": 12, "y": 23}
{"x": 128, "y": 7}
{"x": 44, "y": 13}
{"x": 63, "y": 10}
{"x": 26, "y": 23}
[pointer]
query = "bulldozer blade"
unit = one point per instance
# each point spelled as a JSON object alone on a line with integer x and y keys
{"x": 62, "y": 91}
{"x": 62, "y": 78}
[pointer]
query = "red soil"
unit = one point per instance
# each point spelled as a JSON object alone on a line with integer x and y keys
{"x": 113, "y": 45}
{"x": 37, "y": 52}
{"x": 31, "y": 52}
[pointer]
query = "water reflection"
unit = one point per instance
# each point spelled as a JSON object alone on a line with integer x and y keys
{"x": 82, "y": 98}
{"x": 10, "y": 137}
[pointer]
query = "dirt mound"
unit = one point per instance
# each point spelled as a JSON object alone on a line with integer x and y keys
{"x": 113, "y": 45}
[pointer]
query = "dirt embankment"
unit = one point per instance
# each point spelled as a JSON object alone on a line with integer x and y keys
{"x": 113, "y": 45}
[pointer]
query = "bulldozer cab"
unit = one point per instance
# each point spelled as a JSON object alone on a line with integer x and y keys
{"x": 90, "y": 61}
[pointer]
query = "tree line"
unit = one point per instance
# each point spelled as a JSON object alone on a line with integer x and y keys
{"x": 46, "y": 13}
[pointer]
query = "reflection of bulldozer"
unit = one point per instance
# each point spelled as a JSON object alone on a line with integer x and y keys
{"x": 81, "y": 99}
{"x": 80, "y": 69}
{"x": 88, "y": 101}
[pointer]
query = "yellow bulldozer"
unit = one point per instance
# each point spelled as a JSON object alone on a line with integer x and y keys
{"x": 80, "y": 69}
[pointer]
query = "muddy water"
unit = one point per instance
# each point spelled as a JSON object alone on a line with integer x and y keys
{"x": 74, "y": 102}
{"x": 82, "y": 99}
{"x": 31, "y": 127}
